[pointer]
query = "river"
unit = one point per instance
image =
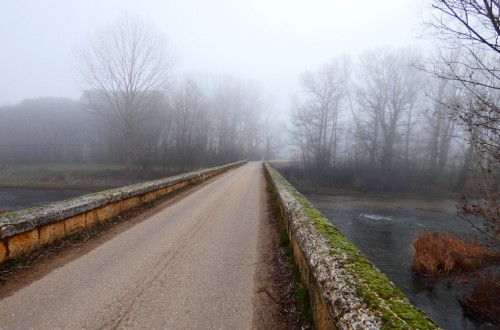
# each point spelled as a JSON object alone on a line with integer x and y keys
{"x": 13, "y": 199}
{"x": 384, "y": 229}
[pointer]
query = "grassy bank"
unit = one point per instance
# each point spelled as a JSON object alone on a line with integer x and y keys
{"x": 75, "y": 176}
{"x": 343, "y": 182}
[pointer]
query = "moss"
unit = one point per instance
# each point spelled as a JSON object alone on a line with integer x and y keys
{"x": 23, "y": 211}
{"x": 301, "y": 298}
{"x": 380, "y": 295}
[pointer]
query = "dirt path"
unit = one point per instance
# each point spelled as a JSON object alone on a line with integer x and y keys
{"x": 191, "y": 265}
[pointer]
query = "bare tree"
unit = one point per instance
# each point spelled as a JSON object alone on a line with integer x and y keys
{"x": 123, "y": 71}
{"x": 440, "y": 127}
{"x": 190, "y": 122}
{"x": 386, "y": 92}
{"x": 471, "y": 28}
{"x": 236, "y": 115}
{"x": 271, "y": 137}
{"x": 316, "y": 119}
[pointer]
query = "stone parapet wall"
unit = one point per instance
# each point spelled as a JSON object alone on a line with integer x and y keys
{"x": 346, "y": 291}
{"x": 27, "y": 230}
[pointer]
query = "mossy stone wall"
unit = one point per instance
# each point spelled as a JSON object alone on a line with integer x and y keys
{"x": 27, "y": 230}
{"x": 346, "y": 290}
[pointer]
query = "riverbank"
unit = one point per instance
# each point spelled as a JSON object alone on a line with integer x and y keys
{"x": 74, "y": 176}
{"x": 384, "y": 229}
{"x": 337, "y": 182}
{"x": 429, "y": 193}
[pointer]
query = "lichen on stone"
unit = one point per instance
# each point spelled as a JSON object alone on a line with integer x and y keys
{"x": 359, "y": 295}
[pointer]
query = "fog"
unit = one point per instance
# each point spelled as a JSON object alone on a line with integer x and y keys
{"x": 344, "y": 96}
{"x": 269, "y": 42}
{"x": 349, "y": 90}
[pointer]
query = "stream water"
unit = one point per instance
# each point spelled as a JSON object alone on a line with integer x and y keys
{"x": 384, "y": 229}
{"x": 13, "y": 199}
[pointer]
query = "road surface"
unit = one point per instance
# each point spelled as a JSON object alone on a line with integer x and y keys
{"x": 190, "y": 266}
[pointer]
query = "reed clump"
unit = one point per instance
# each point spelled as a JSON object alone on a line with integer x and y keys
{"x": 441, "y": 254}
{"x": 484, "y": 301}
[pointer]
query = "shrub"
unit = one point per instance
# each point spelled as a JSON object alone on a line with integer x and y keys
{"x": 484, "y": 301}
{"x": 437, "y": 254}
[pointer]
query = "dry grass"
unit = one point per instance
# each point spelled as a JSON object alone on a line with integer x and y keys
{"x": 441, "y": 254}
{"x": 438, "y": 254}
{"x": 484, "y": 300}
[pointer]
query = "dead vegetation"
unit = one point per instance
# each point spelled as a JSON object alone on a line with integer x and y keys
{"x": 484, "y": 300}
{"x": 279, "y": 285}
{"x": 439, "y": 255}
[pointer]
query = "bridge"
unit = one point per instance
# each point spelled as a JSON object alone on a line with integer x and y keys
{"x": 192, "y": 263}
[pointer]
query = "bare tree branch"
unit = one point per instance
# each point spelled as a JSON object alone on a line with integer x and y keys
{"x": 123, "y": 72}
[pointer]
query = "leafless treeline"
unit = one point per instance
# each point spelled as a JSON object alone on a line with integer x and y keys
{"x": 199, "y": 122}
{"x": 393, "y": 119}
{"x": 42, "y": 131}
{"x": 381, "y": 122}
{"x": 134, "y": 112}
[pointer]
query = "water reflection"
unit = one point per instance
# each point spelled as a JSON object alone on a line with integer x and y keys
{"x": 384, "y": 229}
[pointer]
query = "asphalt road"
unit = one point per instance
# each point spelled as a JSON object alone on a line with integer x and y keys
{"x": 190, "y": 266}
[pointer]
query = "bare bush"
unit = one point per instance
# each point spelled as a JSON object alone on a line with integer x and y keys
{"x": 440, "y": 254}
{"x": 484, "y": 300}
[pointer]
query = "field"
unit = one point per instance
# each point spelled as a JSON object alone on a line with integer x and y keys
{"x": 74, "y": 176}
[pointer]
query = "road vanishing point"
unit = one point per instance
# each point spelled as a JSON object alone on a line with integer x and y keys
{"x": 190, "y": 265}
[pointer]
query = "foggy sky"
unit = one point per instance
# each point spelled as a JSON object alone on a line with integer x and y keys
{"x": 269, "y": 41}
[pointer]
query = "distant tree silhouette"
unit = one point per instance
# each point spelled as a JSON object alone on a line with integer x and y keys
{"x": 123, "y": 71}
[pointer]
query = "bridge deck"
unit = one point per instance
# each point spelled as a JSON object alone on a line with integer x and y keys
{"x": 191, "y": 265}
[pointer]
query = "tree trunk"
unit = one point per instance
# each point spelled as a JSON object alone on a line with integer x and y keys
{"x": 462, "y": 178}
{"x": 128, "y": 152}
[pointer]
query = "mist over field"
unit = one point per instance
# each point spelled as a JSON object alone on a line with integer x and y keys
{"x": 397, "y": 97}
{"x": 235, "y": 67}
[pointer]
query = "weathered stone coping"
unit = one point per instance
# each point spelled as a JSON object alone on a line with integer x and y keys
{"x": 25, "y": 230}
{"x": 346, "y": 290}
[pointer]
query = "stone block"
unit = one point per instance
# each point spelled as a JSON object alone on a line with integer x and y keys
{"x": 106, "y": 212}
{"x": 74, "y": 224}
{"x": 116, "y": 208}
{"x": 3, "y": 252}
{"x": 181, "y": 185}
{"x": 23, "y": 243}
{"x": 130, "y": 203}
{"x": 150, "y": 196}
{"x": 91, "y": 218}
{"x": 163, "y": 191}
{"x": 52, "y": 232}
